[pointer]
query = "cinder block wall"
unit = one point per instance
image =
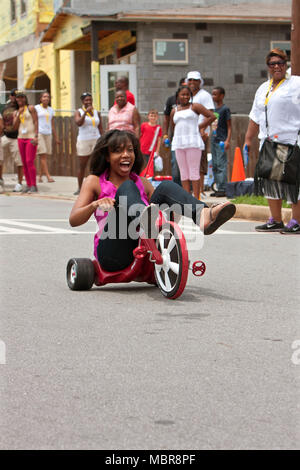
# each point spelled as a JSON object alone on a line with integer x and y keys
{"x": 228, "y": 55}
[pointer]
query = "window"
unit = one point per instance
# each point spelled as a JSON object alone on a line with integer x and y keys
{"x": 23, "y": 7}
{"x": 13, "y": 14}
{"x": 284, "y": 45}
{"x": 108, "y": 76}
{"x": 170, "y": 51}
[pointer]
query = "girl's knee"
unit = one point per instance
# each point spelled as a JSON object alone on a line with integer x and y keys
{"x": 126, "y": 187}
{"x": 166, "y": 186}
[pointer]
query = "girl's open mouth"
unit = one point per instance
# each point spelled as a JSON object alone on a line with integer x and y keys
{"x": 125, "y": 165}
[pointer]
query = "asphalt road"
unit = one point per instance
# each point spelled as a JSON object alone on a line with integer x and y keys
{"x": 121, "y": 367}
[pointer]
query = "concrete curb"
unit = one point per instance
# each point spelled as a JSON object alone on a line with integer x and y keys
{"x": 251, "y": 212}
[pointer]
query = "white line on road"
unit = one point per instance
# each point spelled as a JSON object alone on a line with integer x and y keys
{"x": 11, "y": 230}
{"x": 45, "y": 228}
{"x": 28, "y": 232}
{"x": 8, "y": 226}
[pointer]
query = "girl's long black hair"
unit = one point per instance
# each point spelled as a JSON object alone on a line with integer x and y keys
{"x": 110, "y": 142}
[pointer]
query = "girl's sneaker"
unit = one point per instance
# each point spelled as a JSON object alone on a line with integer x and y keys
{"x": 18, "y": 188}
{"x": 26, "y": 189}
{"x": 270, "y": 226}
{"x": 292, "y": 228}
{"x": 32, "y": 189}
{"x": 1, "y": 186}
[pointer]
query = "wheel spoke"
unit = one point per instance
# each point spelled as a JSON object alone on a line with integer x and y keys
{"x": 174, "y": 267}
{"x": 168, "y": 282}
{"x": 171, "y": 244}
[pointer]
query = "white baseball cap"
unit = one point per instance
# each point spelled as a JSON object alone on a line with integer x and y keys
{"x": 195, "y": 75}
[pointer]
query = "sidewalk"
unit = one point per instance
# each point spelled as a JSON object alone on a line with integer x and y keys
{"x": 65, "y": 186}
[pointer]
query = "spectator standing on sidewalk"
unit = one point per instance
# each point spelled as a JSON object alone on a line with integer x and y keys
{"x": 122, "y": 85}
{"x": 187, "y": 141}
{"x": 219, "y": 141}
{"x": 26, "y": 121}
{"x": 46, "y": 129}
{"x": 150, "y": 135}
{"x": 123, "y": 115}
{"x": 90, "y": 129}
{"x": 9, "y": 140}
{"x": 167, "y": 138}
{"x": 275, "y": 117}
{"x": 201, "y": 96}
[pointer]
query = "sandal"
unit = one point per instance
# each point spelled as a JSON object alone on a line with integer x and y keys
{"x": 51, "y": 180}
{"x": 222, "y": 216}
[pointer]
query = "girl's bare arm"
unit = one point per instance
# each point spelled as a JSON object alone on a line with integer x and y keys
{"x": 87, "y": 201}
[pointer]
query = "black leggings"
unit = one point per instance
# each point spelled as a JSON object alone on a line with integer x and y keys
{"x": 116, "y": 253}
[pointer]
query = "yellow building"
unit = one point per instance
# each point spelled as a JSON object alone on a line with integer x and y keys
{"x": 25, "y": 62}
{"x": 44, "y": 49}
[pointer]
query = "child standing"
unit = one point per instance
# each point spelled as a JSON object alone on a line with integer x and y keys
{"x": 114, "y": 192}
{"x": 151, "y": 133}
{"x": 220, "y": 138}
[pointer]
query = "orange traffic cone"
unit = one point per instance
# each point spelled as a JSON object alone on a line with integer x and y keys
{"x": 238, "y": 172}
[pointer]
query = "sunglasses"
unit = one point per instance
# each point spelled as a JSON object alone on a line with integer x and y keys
{"x": 84, "y": 95}
{"x": 278, "y": 62}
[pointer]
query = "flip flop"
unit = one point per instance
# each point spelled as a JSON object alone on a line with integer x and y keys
{"x": 223, "y": 215}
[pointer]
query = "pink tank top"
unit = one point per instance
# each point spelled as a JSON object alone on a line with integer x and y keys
{"x": 121, "y": 119}
{"x": 108, "y": 189}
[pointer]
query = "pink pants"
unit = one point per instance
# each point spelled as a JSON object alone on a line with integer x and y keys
{"x": 189, "y": 163}
{"x": 28, "y": 153}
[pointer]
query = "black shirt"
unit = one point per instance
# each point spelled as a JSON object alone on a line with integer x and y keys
{"x": 224, "y": 116}
{"x": 170, "y": 104}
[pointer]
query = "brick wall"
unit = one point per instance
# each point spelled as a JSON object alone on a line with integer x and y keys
{"x": 228, "y": 55}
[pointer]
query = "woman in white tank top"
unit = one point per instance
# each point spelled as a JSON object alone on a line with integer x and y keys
{"x": 90, "y": 129}
{"x": 187, "y": 141}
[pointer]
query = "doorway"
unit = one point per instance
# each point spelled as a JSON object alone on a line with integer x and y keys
{"x": 108, "y": 76}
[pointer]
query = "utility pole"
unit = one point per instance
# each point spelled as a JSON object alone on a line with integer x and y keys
{"x": 295, "y": 37}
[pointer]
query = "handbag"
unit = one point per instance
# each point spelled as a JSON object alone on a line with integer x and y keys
{"x": 277, "y": 172}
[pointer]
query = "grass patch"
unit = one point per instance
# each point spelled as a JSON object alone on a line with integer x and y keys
{"x": 255, "y": 201}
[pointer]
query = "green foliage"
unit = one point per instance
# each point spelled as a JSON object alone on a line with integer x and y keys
{"x": 255, "y": 201}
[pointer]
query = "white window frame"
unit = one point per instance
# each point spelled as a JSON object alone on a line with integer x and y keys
{"x": 163, "y": 61}
{"x": 104, "y": 70}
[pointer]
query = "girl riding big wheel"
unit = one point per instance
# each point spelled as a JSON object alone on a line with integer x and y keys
{"x": 163, "y": 261}
{"x": 133, "y": 241}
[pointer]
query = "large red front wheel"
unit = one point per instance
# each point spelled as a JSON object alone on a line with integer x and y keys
{"x": 171, "y": 275}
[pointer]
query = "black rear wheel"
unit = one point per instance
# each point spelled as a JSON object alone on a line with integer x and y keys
{"x": 80, "y": 273}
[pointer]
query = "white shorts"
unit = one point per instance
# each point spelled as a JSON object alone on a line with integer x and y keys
{"x": 85, "y": 147}
{"x": 10, "y": 148}
{"x": 44, "y": 145}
